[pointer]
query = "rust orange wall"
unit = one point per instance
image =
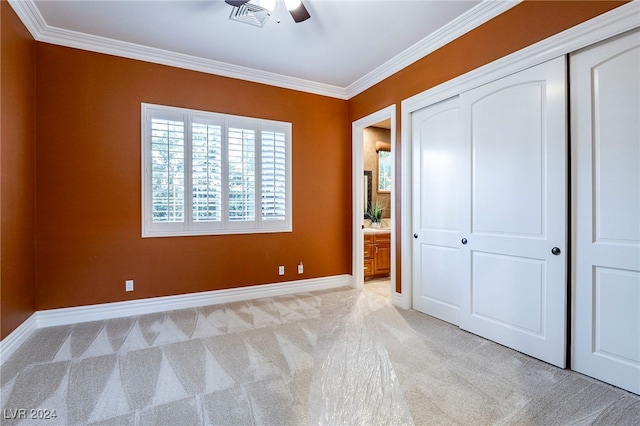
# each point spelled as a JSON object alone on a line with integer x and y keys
{"x": 88, "y": 188}
{"x": 87, "y": 113}
{"x": 17, "y": 158}
{"x": 519, "y": 27}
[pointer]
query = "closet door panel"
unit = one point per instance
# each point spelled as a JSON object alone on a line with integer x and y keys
{"x": 508, "y": 167}
{"x": 605, "y": 106}
{"x": 506, "y": 278}
{"x": 616, "y": 96}
{"x": 513, "y": 218}
{"x": 439, "y": 167}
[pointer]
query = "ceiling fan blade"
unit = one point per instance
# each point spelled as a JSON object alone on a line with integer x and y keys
{"x": 236, "y": 3}
{"x": 300, "y": 13}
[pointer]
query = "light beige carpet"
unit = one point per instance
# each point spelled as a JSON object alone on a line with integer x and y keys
{"x": 338, "y": 357}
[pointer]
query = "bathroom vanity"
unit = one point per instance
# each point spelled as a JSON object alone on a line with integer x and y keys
{"x": 377, "y": 252}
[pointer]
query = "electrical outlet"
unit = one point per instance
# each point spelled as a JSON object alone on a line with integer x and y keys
{"x": 300, "y": 267}
{"x": 281, "y": 270}
{"x": 128, "y": 285}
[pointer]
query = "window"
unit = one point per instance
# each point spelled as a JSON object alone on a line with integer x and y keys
{"x": 207, "y": 173}
{"x": 384, "y": 171}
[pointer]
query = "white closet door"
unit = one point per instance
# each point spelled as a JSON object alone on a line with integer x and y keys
{"x": 438, "y": 170}
{"x": 605, "y": 111}
{"x": 514, "y": 220}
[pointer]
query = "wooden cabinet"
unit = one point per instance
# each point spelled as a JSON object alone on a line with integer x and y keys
{"x": 377, "y": 254}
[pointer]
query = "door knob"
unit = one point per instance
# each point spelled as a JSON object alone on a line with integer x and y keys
{"x": 556, "y": 251}
{"x": 415, "y": 235}
{"x": 463, "y": 241}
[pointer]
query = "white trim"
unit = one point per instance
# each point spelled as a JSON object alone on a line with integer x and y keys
{"x": 398, "y": 299}
{"x": 357, "y": 167}
{"x": 406, "y": 224}
{"x": 224, "y": 225}
{"x": 104, "y": 311}
{"x": 41, "y": 31}
{"x": 609, "y": 24}
{"x": 473, "y": 18}
{"x": 9, "y": 344}
{"x": 63, "y": 316}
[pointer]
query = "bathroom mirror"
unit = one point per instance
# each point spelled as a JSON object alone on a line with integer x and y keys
{"x": 368, "y": 180}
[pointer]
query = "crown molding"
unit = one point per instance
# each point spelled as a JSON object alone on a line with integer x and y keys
{"x": 29, "y": 15}
{"x": 42, "y": 32}
{"x": 466, "y": 22}
{"x": 609, "y": 24}
{"x": 164, "y": 57}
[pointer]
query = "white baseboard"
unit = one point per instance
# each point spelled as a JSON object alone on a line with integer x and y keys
{"x": 9, "y": 344}
{"x": 400, "y": 300}
{"x": 63, "y": 316}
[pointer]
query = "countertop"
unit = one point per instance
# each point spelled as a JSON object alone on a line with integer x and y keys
{"x": 376, "y": 230}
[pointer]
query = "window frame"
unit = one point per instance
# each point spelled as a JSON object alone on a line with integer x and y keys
{"x": 380, "y": 174}
{"x": 225, "y": 226}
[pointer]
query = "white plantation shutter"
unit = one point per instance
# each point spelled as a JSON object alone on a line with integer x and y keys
{"x": 207, "y": 173}
{"x": 242, "y": 174}
{"x": 274, "y": 175}
{"x": 167, "y": 170}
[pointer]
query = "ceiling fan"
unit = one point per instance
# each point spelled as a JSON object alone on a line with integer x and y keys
{"x": 297, "y": 10}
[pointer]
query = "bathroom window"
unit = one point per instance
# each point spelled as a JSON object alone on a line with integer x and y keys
{"x": 207, "y": 173}
{"x": 384, "y": 171}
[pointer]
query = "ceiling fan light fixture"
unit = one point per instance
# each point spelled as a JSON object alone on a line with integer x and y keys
{"x": 236, "y": 3}
{"x": 292, "y": 4}
{"x": 266, "y": 4}
{"x": 257, "y": 12}
{"x": 297, "y": 10}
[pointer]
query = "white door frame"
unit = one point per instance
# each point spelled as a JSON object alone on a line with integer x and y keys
{"x": 607, "y": 25}
{"x": 357, "y": 167}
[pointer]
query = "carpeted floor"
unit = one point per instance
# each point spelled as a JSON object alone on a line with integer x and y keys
{"x": 336, "y": 357}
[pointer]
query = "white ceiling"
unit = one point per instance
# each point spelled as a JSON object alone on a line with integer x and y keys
{"x": 345, "y": 47}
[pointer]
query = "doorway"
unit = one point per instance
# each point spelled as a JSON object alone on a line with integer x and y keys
{"x": 379, "y": 125}
{"x": 490, "y": 233}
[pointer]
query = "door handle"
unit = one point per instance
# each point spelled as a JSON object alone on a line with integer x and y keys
{"x": 555, "y": 251}
{"x": 463, "y": 241}
{"x": 415, "y": 235}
